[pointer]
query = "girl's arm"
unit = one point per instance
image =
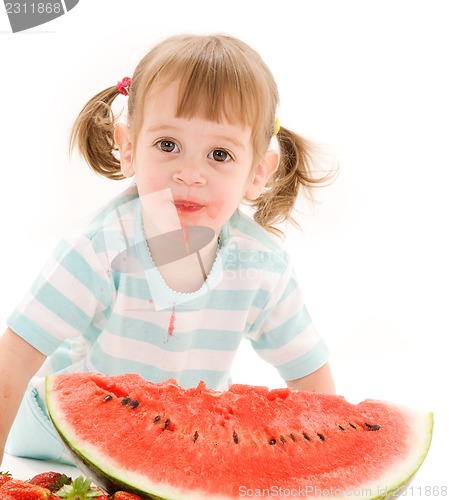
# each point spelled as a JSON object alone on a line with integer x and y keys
{"x": 19, "y": 361}
{"x": 320, "y": 380}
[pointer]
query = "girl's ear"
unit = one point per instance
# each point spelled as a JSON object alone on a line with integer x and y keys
{"x": 261, "y": 173}
{"x": 122, "y": 137}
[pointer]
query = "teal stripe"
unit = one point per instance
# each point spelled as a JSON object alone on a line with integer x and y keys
{"x": 187, "y": 378}
{"x": 233, "y": 300}
{"x": 131, "y": 286}
{"x": 218, "y": 340}
{"x": 33, "y": 333}
{"x": 266, "y": 313}
{"x": 148, "y": 332}
{"x": 62, "y": 359}
{"x": 284, "y": 333}
{"x": 79, "y": 267}
{"x": 291, "y": 286}
{"x": 94, "y": 331}
{"x": 305, "y": 364}
{"x": 221, "y": 300}
{"x": 62, "y": 307}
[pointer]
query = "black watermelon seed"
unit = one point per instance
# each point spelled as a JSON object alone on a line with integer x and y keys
{"x": 235, "y": 438}
{"x": 306, "y": 436}
{"x": 292, "y": 437}
{"x": 282, "y": 438}
{"x": 341, "y": 428}
{"x": 272, "y": 441}
{"x": 353, "y": 426}
{"x": 320, "y": 436}
{"x": 195, "y": 436}
{"x": 134, "y": 403}
{"x": 156, "y": 419}
{"x": 372, "y": 427}
{"x": 126, "y": 400}
{"x": 166, "y": 423}
{"x": 108, "y": 397}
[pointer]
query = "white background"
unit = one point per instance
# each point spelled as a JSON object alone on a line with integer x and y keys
{"x": 367, "y": 80}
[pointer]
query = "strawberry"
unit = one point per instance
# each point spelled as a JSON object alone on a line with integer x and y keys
{"x": 81, "y": 489}
{"x": 5, "y": 496}
{"x": 22, "y": 490}
{"x": 51, "y": 480}
{"x": 4, "y": 476}
{"x": 125, "y": 495}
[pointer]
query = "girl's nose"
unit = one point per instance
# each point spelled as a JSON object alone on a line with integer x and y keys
{"x": 189, "y": 175}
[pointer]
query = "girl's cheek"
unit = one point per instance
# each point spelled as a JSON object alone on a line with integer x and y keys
{"x": 150, "y": 185}
{"x": 213, "y": 209}
{"x": 221, "y": 209}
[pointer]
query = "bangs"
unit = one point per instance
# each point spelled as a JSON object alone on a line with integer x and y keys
{"x": 214, "y": 87}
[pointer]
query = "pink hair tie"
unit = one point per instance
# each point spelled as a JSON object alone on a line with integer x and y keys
{"x": 124, "y": 85}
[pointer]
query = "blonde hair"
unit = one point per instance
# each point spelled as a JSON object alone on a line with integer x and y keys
{"x": 220, "y": 78}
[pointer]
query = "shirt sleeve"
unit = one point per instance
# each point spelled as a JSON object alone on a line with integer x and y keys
{"x": 284, "y": 334}
{"x": 68, "y": 299}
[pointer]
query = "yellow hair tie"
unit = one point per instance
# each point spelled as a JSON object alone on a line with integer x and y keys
{"x": 277, "y": 126}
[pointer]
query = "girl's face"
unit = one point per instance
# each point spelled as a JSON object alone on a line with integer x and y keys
{"x": 209, "y": 167}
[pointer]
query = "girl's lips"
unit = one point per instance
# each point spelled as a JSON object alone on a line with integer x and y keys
{"x": 188, "y": 206}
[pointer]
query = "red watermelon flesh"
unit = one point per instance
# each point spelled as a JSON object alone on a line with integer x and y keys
{"x": 162, "y": 441}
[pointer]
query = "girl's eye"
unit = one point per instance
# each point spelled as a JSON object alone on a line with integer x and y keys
{"x": 167, "y": 146}
{"x": 219, "y": 155}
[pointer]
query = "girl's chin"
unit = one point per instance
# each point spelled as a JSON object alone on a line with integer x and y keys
{"x": 192, "y": 219}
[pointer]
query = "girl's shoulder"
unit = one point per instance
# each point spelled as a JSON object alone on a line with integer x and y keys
{"x": 244, "y": 231}
{"x": 103, "y": 232}
{"x": 118, "y": 208}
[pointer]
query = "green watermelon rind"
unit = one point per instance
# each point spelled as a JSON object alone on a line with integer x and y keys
{"x": 106, "y": 481}
{"x": 107, "y": 475}
{"x": 397, "y": 489}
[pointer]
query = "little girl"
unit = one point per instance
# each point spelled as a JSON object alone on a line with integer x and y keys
{"x": 167, "y": 278}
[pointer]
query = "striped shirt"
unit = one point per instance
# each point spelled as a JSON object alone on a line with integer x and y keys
{"x": 100, "y": 304}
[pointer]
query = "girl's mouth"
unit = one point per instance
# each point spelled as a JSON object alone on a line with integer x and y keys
{"x": 188, "y": 206}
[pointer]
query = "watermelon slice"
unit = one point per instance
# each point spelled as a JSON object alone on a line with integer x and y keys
{"x": 162, "y": 441}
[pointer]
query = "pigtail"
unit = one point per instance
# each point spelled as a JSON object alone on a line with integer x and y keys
{"x": 294, "y": 174}
{"x": 93, "y": 134}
